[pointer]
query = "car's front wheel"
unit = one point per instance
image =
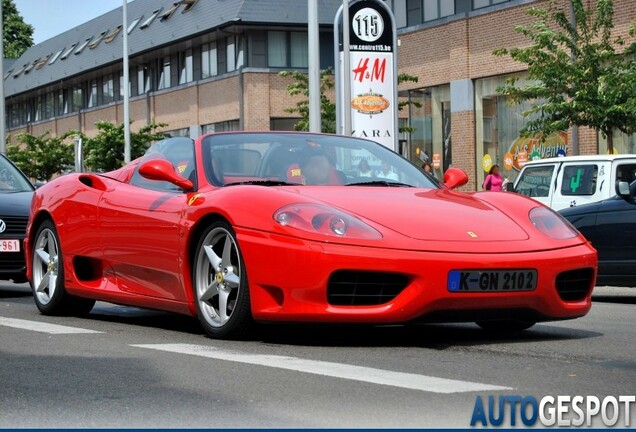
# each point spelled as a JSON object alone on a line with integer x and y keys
{"x": 47, "y": 282}
{"x": 220, "y": 283}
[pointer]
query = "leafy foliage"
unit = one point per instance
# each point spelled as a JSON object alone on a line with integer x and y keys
{"x": 18, "y": 35}
{"x": 578, "y": 74}
{"x": 300, "y": 86}
{"x": 105, "y": 151}
{"x": 41, "y": 157}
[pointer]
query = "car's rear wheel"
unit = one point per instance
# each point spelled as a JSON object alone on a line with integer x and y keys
{"x": 220, "y": 284}
{"x": 505, "y": 326}
{"x": 47, "y": 282}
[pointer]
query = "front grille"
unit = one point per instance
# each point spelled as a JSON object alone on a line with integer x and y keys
{"x": 364, "y": 288}
{"x": 574, "y": 285}
{"x": 15, "y": 226}
{"x": 11, "y": 261}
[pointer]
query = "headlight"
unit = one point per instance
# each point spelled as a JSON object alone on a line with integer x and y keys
{"x": 552, "y": 224}
{"x": 321, "y": 219}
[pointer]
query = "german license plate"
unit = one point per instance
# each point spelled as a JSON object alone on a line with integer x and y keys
{"x": 9, "y": 245}
{"x": 492, "y": 280}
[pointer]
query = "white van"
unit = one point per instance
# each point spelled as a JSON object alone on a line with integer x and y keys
{"x": 574, "y": 180}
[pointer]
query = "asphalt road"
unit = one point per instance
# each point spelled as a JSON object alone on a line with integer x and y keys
{"x": 128, "y": 367}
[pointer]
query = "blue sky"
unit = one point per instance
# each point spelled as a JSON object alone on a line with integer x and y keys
{"x": 52, "y": 17}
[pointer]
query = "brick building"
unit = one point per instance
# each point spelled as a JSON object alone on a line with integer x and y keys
{"x": 212, "y": 65}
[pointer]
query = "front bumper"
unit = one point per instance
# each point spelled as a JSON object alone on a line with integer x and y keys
{"x": 288, "y": 280}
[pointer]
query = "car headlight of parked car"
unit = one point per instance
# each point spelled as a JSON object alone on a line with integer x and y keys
{"x": 322, "y": 219}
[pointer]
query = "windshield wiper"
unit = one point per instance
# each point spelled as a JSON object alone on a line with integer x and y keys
{"x": 380, "y": 183}
{"x": 264, "y": 183}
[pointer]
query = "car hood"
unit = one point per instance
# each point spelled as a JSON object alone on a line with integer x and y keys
{"x": 424, "y": 214}
{"x": 15, "y": 203}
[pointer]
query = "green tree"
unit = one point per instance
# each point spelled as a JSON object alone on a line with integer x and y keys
{"x": 578, "y": 74}
{"x": 41, "y": 157}
{"x": 300, "y": 86}
{"x": 105, "y": 151}
{"x": 18, "y": 35}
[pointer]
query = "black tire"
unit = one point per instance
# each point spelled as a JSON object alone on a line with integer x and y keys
{"x": 505, "y": 326}
{"x": 51, "y": 297}
{"x": 228, "y": 280}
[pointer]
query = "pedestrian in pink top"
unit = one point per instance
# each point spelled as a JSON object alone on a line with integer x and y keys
{"x": 493, "y": 181}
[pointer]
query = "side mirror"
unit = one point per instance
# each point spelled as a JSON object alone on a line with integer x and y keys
{"x": 161, "y": 169}
{"x": 510, "y": 187}
{"x": 622, "y": 189}
{"x": 455, "y": 177}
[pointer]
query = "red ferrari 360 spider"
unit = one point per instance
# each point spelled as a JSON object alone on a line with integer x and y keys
{"x": 242, "y": 227}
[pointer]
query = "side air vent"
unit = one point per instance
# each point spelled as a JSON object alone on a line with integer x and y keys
{"x": 364, "y": 288}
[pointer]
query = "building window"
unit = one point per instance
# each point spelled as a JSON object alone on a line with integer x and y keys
{"x": 150, "y": 19}
{"x": 108, "y": 89}
{"x": 49, "y": 105}
{"x": 420, "y": 11}
{"x": 185, "y": 67}
{"x": 121, "y": 86}
{"x": 92, "y": 94}
{"x": 164, "y": 73}
{"x": 478, "y": 4}
{"x": 233, "y": 53}
{"x": 299, "y": 54}
{"x": 276, "y": 49}
{"x": 209, "y": 66}
{"x": 226, "y": 126}
{"x": 82, "y": 46}
{"x": 61, "y": 107}
{"x": 287, "y": 49}
{"x": 185, "y": 132}
{"x": 78, "y": 98}
{"x": 497, "y": 125}
{"x": 55, "y": 56}
{"x": 283, "y": 124}
{"x": 143, "y": 80}
{"x": 133, "y": 24}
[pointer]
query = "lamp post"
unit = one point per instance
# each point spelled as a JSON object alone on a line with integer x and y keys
{"x": 314, "y": 66}
{"x": 126, "y": 86}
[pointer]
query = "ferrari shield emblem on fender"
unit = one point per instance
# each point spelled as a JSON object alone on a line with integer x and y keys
{"x": 472, "y": 234}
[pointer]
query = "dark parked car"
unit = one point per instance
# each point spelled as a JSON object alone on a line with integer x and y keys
{"x": 610, "y": 225}
{"x": 16, "y": 192}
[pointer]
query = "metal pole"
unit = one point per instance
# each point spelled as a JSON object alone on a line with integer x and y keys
{"x": 575, "y": 128}
{"x": 3, "y": 138}
{"x": 346, "y": 69}
{"x": 314, "y": 66}
{"x": 126, "y": 87}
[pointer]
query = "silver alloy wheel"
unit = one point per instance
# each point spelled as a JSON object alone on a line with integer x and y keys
{"x": 45, "y": 265}
{"x": 218, "y": 277}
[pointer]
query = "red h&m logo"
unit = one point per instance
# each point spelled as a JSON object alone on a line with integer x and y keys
{"x": 376, "y": 73}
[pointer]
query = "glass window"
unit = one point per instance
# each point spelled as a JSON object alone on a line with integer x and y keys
{"x": 96, "y": 42}
{"x": 276, "y": 49}
{"x": 535, "y": 181}
{"x": 299, "y": 53}
{"x": 143, "y": 79}
{"x": 62, "y": 103}
{"x": 431, "y": 11}
{"x": 82, "y": 46}
{"x": 399, "y": 10}
{"x": 150, "y": 19}
{"x": 68, "y": 52}
{"x": 121, "y": 86}
{"x": 49, "y": 106}
{"x": 625, "y": 172}
{"x": 108, "y": 89}
{"x": 446, "y": 8}
{"x": 498, "y": 123}
{"x": 283, "y": 124}
{"x": 230, "y": 53}
{"x": 480, "y": 3}
{"x": 164, "y": 74}
{"x": 55, "y": 56}
{"x": 579, "y": 180}
{"x": 78, "y": 98}
{"x": 92, "y": 94}
{"x": 225, "y": 126}
{"x": 133, "y": 24}
{"x": 209, "y": 60}
{"x": 185, "y": 67}
{"x": 413, "y": 12}
{"x": 38, "y": 108}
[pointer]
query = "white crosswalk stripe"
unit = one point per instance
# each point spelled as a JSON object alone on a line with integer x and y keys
{"x": 42, "y": 327}
{"x": 330, "y": 369}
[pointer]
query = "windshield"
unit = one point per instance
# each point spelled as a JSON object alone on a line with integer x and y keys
{"x": 306, "y": 159}
{"x": 11, "y": 179}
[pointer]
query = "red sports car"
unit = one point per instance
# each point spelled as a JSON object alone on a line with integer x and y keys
{"x": 242, "y": 227}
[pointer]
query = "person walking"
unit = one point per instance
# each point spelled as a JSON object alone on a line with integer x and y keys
{"x": 494, "y": 180}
